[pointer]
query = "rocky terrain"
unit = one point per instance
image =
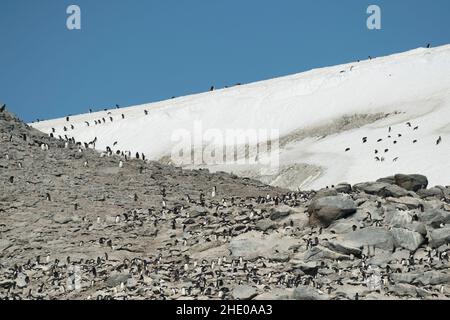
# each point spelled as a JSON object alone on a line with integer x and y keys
{"x": 77, "y": 224}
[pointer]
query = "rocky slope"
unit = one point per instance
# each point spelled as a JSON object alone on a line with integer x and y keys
{"x": 77, "y": 225}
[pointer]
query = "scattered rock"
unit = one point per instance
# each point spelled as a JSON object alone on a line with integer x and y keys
{"x": 244, "y": 292}
{"x": 412, "y": 182}
{"x": 325, "y": 210}
{"x": 407, "y": 239}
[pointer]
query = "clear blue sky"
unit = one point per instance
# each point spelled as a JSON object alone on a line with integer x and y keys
{"x": 138, "y": 51}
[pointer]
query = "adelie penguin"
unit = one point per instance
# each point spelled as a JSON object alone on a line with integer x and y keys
{"x": 3, "y": 107}
{"x": 439, "y": 140}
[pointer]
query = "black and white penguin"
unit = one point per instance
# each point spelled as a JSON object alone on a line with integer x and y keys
{"x": 87, "y": 123}
{"x": 3, "y": 107}
{"x": 146, "y": 112}
{"x": 67, "y": 119}
{"x": 439, "y": 140}
{"x": 11, "y": 179}
{"x": 347, "y": 150}
{"x": 48, "y": 197}
{"x": 137, "y": 155}
{"x": 212, "y": 88}
{"x": 123, "y": 116}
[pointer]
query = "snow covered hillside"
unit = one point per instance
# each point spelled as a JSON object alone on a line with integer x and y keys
{"x": 400, "y": 104}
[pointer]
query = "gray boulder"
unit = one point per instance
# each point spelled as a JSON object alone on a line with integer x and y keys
{"x": 435, "y": 217}
{"x": 371, "y": 236}
{"x": 343, "y": 188}
{"x": 432, "y": 192}
{"x": 432, "y": 278}
{"x": 244, "y": 292}
{"x": 411, "y": 182}
{"x": 116, "y": 279}
{"x": 325, "y": 210}
{"x": 407, "y": 239}
{"x": 439, "y": 237}
{"x": 381, "y": 189}
{"x": 388, "y": 180}
{"x": 322, "y": 193}
{"x": 308, "y": 293}
{"x": 265, "y": 224}
{"x": 280, "y": 213}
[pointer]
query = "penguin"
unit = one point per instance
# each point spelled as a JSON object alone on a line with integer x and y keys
{"x": 214, "y": 191}
{"x": 48, "y": 197}
{"x": 415, "y": 141}
{"x": 135, "y": 197}
{"x": 146, "y": 112}
{"x": 123, "y": 116}
{"x": 111, "y": 119}
{"x": 72, "y": 127}
{"x": 439, "y": 140}
{"x": 87, "y": 123}
{"x": 386, "y": 150}
{"x": 67, "y": 119}
{"x": 376, "y": 151}
{"x": 11, "y": 179}
{"x": 379, "y": 140}
{"x": 395, "y": 159}
{"x": 75, "y": 206}
{"x": 347, "y": 150}
{"x": 137, "y": 155}
{"x": 409, "y": 124}
{"x": 429, "y": 46}
{"x": 2, "y": 108}
{"x": 395, "y": 141}
{"x": 364, "y": 140}
{"x": 212, "y": 88}
{"x": 121, "y": 164}
{"x": 90, "y": 110}
{"x": 416, "y": 128}
{"x": 377, "y": 159}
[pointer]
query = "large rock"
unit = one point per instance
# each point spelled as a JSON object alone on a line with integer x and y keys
{"x": 371, "y": 236}
{"x": 116, "y": 279}
{"x": 432, "y": 192}
{"x": 435, "y": 217}
{"x": 412, "y": 182}
{"x": 343, "y": 188}
{"x": 432, "y": 278}
{"x": 280, "y": 212}
{"x": 322, "y": 193}
{"x": 308, "y": 293}
{"x": 253, "y": 244}
{"x": 325, "y": 210}
{"x": 343, "y": 248}
{"x": 381, "y": 189}
{"x": 438, "y": 237}
{"x": 407, "y": 239}
{"x": 244, "y": 292}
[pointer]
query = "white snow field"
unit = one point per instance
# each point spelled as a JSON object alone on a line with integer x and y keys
{"x": 319, "y": 114}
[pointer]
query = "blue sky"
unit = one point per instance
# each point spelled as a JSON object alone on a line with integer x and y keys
{"x": 139, "y": 51}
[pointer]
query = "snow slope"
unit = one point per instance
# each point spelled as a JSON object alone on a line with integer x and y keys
{"x": 319, "y": 114}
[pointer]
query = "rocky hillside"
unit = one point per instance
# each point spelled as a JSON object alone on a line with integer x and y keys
{"x": 76, "y": 224}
